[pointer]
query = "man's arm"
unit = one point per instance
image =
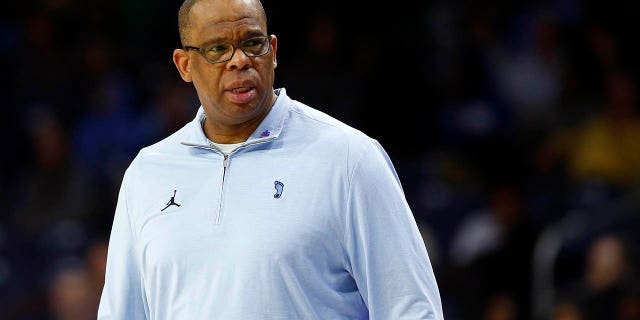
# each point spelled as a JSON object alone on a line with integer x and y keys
{"x": 123, "y": 293}
{"x": 385, "y": 252}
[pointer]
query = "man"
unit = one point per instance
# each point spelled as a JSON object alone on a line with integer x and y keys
{"x": 261, "y": 207}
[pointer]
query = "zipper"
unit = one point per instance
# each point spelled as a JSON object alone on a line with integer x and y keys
{"x": 225, "y": 164}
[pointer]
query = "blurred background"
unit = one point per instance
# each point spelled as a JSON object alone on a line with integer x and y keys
{"x": 513, "y": 125}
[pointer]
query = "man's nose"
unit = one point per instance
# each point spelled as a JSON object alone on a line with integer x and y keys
{"x": 239, "y": 60}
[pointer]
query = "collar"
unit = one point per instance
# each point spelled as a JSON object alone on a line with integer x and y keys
{"x": 268, "y": 130}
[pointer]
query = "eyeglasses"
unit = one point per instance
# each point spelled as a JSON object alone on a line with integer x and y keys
{"x": 218, "y": 52}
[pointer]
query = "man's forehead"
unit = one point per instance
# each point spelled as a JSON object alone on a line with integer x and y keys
{"x": 227, "y": 13}
{"x": 229, "y": 30}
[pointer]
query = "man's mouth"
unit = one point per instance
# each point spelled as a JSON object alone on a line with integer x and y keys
{"x": 241, "y": 95}
{"x": 241, "y": 90}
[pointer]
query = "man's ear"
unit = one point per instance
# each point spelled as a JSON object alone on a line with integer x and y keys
{"x": 183, "y": 63}
{"x": 274, "y": 48}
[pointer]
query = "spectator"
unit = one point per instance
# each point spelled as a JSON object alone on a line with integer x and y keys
{"x": 604, "y": 290}
{"x": 71, "y": 296}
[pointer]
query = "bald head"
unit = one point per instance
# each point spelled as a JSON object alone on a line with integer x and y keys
{"x": 184, "y": 17}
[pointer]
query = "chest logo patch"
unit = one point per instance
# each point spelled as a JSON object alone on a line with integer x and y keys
{"x": 172, "y": 201}
{"x": 279, "y": 189}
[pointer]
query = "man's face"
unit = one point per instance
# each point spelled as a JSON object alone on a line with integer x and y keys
{"x": 240, "y": 90}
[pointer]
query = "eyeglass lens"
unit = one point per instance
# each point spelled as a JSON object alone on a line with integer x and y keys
{"x": 224, "y": 51}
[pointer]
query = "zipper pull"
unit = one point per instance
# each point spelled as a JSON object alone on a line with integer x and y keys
{"x": 226, "y": 160}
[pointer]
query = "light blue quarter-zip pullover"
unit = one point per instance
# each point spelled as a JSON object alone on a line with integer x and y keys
{"x": 306, "y": 220}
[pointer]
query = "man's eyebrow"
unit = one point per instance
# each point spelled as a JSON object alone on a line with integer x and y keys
{"x": 253, "y": 33}
{"x": 214, "y": 40}
{"x": 245, "y": 36}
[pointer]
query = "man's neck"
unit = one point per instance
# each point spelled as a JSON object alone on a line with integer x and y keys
{"x": 228, "y": 134}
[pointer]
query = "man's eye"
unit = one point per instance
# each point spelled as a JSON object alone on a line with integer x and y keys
{"x": 252, "y": 43}
{"x": 218, "y": 48}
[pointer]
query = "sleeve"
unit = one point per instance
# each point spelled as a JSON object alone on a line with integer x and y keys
{"x": 123, "y": 294}
{"x": 385, "y": 253}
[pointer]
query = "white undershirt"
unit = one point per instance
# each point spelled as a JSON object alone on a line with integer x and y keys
{"x": 226, "y": 148}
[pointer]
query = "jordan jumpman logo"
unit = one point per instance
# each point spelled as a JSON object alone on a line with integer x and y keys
{"x": 172, "y": 201}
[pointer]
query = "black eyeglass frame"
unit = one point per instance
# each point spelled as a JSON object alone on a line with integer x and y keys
{"x": 234, "y": 46}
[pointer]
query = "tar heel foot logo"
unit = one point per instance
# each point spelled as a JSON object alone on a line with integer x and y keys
{"x": 279, "y": 188}
{"x": 172, "y": 201}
